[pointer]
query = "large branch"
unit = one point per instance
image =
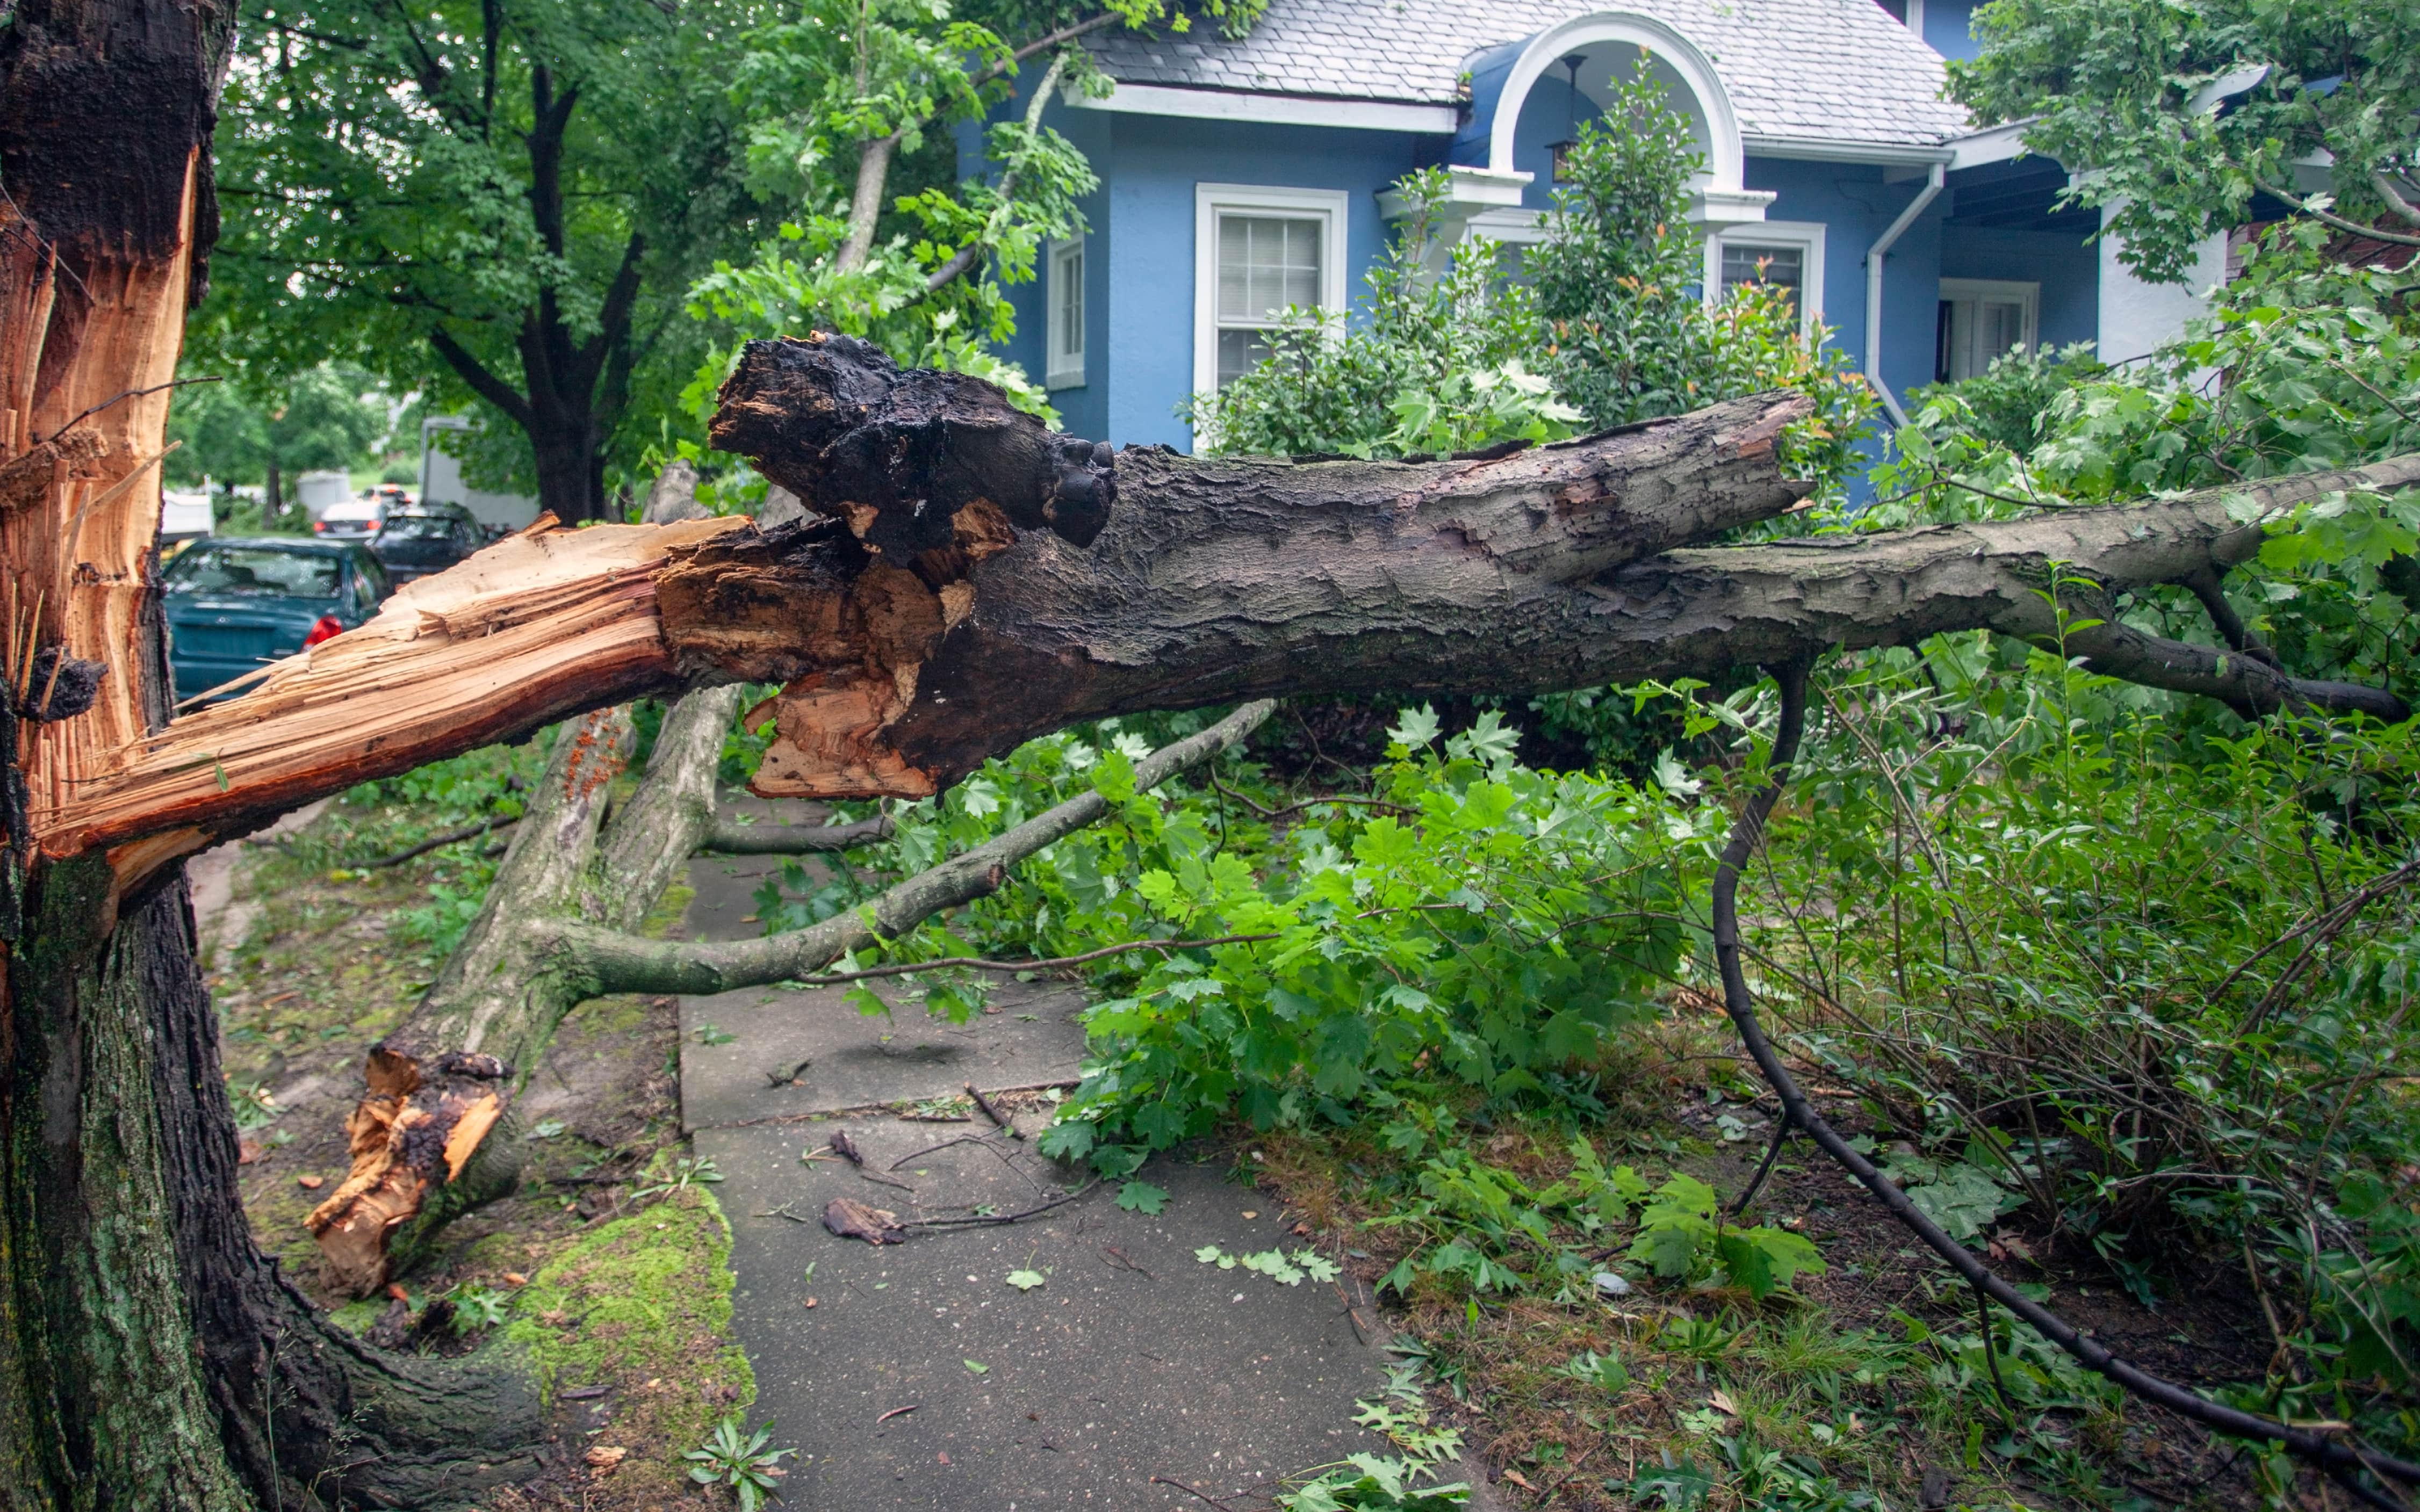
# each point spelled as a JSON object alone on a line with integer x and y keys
{"x": 973, "y": 581}
{"x": 615, "y": 962}
{"x": 434, "y": 1134}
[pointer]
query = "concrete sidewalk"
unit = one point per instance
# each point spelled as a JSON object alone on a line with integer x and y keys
{"x": 915, "y": 1374}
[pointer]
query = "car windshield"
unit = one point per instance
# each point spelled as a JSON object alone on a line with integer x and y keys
{"x": 238, "y": 569}
{"x": 418, "y": 528}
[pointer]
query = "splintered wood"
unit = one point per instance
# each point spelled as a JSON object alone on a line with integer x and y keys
{"x": 407, "y": 1135}
{"x": 545, "y": 624}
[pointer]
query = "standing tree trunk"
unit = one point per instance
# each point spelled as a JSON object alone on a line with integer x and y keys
{"x": 573, "y": 392}
{"x": 149, "y": 1355}
{"x": 273, "y": 497}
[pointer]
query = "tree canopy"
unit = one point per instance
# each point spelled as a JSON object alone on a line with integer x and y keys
{"x": 2177, "y": 113}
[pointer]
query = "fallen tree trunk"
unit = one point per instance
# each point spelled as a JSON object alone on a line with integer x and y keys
{"x": 434, "y": 1137}
{"x": 940, "y": 609}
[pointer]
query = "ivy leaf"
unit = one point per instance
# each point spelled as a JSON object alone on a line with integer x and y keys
{"x": 1025, "y": 1280}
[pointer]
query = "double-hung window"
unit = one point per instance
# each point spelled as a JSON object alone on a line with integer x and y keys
{"x": 1260, "y": 253}
{"x": 1787, "y": 256}
{"x": 1065, "y": 318}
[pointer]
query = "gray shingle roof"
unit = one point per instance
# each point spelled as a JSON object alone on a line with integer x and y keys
{"x": 1821, "y": 69}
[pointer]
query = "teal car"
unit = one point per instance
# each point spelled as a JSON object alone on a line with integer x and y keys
{"x": 235, "y": 606}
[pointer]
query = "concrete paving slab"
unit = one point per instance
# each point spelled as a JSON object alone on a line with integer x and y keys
{"x": 1132, "y": 1359}
{"x": 1028, "y": 1037}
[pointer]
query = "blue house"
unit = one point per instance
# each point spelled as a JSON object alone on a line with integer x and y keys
{"x": 1240, "y": 177}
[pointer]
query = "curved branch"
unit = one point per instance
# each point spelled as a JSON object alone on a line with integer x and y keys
{"x": 617, "y": 963}
{"x": 483, "y": 382}
{"x": 2330, "y": 1453}
{"x": 2329, "y": 218}
{"x": 729, "y": 838}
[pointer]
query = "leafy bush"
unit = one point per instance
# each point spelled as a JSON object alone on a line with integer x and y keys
{"x": 1406, "y": 376}
{"x": 1445, "y": 354}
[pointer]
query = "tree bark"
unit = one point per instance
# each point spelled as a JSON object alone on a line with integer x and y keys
{"x": 149, "y": 1356}
{"x": 970, "y": 580}
{"x": 435, "y": 1135}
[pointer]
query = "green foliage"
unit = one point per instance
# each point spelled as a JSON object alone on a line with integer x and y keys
{"x": 814, "y": 84}
{"x": 733, "y": 1458}
{"x": 325, "y": 417}
{"x": 1682, "y": 1235}
{"x": 423, "y": 192}
{"x": 2005, "y": 405}
{"x": 2304, "y": 364}
{"x": 2125, "y": 95}
{"x": 1619, "y": 286}
{"x": 476, "y": 1309}
{"x": 1427, "y": 366}
{"x": 1447, "y": 354}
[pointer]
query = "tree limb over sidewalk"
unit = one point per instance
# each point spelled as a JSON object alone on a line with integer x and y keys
{"x": 434, "y": 1134}
{"x": 620, "y": 963}
{"x": 973, "y": 581}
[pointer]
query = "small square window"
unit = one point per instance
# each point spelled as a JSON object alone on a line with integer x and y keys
{"x": 1778, "y": 267}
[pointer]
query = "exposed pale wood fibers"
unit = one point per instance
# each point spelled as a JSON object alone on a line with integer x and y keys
{"x": 545, "y": 623}
{"x": 75, "y": 344}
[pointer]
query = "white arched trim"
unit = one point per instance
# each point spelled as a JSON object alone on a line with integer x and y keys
{"x": 1725, "y": 156}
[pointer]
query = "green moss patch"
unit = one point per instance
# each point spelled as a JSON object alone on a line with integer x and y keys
{"x": 639, "y": 1305}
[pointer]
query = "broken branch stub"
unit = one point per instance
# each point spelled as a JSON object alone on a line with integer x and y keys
{"x": 895, "y": 456}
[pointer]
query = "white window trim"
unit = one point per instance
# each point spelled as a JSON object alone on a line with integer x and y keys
{"x": 2026, "y": 293}
{"x": 1209, "y": 200}
{"x": 1061, "y": 370}
{"x": 1807, "y": 235}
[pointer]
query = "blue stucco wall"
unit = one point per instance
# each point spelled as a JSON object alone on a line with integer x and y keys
{"x": 1141, "y": 329}
{"x": 1856, "y": 206}
{"x": 2067, "y": 270}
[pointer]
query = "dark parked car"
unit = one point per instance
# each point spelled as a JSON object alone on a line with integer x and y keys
{"x": 417, "y": 542}
{"x": 235, "y": 606}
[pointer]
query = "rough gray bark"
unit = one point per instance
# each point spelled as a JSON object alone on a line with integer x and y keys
{"x": 730, "y": 838}
{"x": 622, "y": 963}
{"x": 448, "y": 1073}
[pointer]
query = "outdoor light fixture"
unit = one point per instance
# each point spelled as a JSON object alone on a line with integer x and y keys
{"x": 1572, "y": 62}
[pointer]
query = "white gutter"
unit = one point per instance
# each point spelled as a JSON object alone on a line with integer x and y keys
{"x": 1874, "y": 255}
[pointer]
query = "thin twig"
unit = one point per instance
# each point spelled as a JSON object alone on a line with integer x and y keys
{"x": 1060, "y": 1202}
{"x": 129, "y": 393}
{"x": 983, "y": 1103}
{"x": 972, "y": 963}
{"x": 439, "y": 841}
{"x": 1168, "y": 1480}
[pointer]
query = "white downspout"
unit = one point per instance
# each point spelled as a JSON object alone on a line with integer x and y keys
{"x": 1874, "y": 255}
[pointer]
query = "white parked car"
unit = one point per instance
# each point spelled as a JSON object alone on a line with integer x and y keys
{"x": 354, "y": 520}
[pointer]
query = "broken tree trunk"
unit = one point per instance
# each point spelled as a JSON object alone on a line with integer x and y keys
{"x": 434, "y": 1135}
{"x": 437, "y": 1119}
{"x": 150, "y": 1356}
{"x": 970, "y": 580}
